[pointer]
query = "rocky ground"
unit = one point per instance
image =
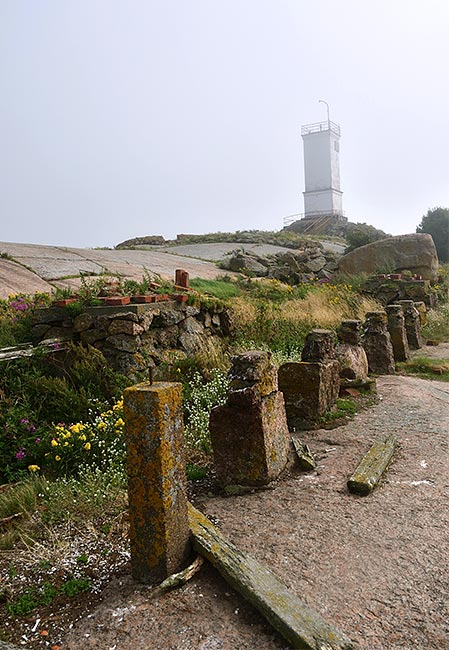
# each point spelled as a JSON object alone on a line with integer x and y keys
{"x": 375, "y": 566}
{"x": 29, "y": 267}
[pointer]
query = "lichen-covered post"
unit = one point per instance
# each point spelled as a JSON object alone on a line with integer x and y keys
{"x": 398, "y": 335}
{"x": 377, "y": 343}
{"x": 311, "y": 386}
{"x": 412, "y": 324}
{"x": 159, "y": 527}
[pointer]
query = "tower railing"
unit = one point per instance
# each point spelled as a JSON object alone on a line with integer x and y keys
{"x": 318, "y": 214}
{"x": 320, "y": 126}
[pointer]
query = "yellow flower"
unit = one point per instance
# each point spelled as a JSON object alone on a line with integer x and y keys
{"x": 33, "y": 468}
{"x": 54, "y": 443}
{"x": 118, "y": 406}
{"x": 119, "y": 423}
{"x": 87, "y": 446}
{"x": 58, "y": 458}
{"x": 101, "y": 426}
{"x": 66, "y": 444}
{"x": 83, "y": 437}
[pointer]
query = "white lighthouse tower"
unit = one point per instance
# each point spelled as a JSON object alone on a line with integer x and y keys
{"x": 322, "y": 196}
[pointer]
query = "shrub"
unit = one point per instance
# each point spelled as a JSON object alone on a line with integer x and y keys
{"x": 16, "y": 313}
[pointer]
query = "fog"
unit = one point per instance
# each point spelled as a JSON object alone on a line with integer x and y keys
{"x": 137, "y": 117}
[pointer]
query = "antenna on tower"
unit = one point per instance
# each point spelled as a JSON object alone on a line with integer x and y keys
{"x": 321, "y": 101}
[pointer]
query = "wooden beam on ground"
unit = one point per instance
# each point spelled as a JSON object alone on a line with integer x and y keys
{"x": 372, "y": 466}
{"x": 300, "y": 625}
{"x": 306, "y": 459}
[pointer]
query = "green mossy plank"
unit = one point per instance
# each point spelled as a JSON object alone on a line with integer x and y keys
{"x": 306, "y": 459}
{"x": 301, "y": 626}
{"x": 372, "y": 466}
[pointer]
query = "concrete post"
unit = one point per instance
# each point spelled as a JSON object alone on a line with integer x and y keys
{"x": 159, "y": 527}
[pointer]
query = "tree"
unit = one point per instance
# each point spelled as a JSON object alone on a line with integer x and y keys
{"x": 436, "y": 223}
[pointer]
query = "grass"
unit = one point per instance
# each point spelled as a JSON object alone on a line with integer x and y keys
{"x": 437, "y": 324}
{"x": 282, "y": 324}
{"x": 222, "y": 289}
{"x": 344, "y": 408}
{"x": 426, "y": 368}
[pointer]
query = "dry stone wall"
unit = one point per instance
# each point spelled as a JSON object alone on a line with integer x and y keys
{"x": 136, "y": 337}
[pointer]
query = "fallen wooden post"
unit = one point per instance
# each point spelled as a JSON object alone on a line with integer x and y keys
{"x": 372, "y": 466}
{"x": 301, "y": 626}
{"x": 306, "y": 459}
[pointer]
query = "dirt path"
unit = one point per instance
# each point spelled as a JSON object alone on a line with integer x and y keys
{"x": 375, "y": 566}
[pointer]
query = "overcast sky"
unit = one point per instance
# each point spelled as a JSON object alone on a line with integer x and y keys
{"x": 122, "y": 118}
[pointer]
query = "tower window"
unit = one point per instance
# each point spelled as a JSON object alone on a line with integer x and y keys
{"x": 336, "y": 145}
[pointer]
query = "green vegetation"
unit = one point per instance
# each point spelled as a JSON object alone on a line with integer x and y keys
{"x": 287, "y": 238}
{"x": 223, "y": 288}
{"x": 38, "y": 394}
{"x": 344, "y": 408}
{"x": 437, "y": 324}
{"x": 360, "y": 234}
{"x": 426, "y": 368}
{"x": 436, "y": 223}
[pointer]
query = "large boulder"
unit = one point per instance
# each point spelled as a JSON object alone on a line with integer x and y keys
{"x": 416, "y": 253}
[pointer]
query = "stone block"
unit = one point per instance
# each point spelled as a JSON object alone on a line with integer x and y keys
{"x": 350, "y": 331}
{"x": 250, "y": 438}
{"x": 377, "y": 344}
{"x": 159, "y": 526}
{"x": 254, "y": 369}
{"x": 398, "y": 335}
{"x": 124, "y": 342}
{"x": 119, "y": 326}
{"x": 420, "y": 306}
{"x": 83, "y": 322}
{"x": 318, "y": 346}
{"x": 310, "y": 389}
{"x": 352, "y": 361}
{"x": 412, "y": 324}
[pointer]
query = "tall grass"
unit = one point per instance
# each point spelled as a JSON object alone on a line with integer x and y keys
{"x": 283, "y": 326}
{"x": 437, "y": 325}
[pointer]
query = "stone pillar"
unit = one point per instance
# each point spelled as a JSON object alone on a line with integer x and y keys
{"x": 412, "y": 324}
{"x": 350, "y": 353}
{"x": 311, "y": 386}
{"x": 249, "y": 433}
{"x": 181, "y": 279}
{"x": 159, "y": 527}
{"x": 318, "y": 346}
{"x": 422, "y": 311}
{"x": 377, "y": 344}
{"x": 398, "y": 335}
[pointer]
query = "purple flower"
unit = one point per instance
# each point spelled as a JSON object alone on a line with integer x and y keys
{"x": 21, "y": 454}
{"x": 24, "y": 421}
{"x": 56, "y": 346}
{"x": 37, "y": 441}
{"x": 31, "y": 428}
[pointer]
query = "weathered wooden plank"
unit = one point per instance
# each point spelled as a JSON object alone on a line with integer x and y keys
{"x": 300, "y": 625}
{"x": 306, "y": 459}
{"x": 372, "y": 466}
{"x": 27, "y": 349}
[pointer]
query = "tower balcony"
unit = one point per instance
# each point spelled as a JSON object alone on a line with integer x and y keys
{"x": 307, "y": 129}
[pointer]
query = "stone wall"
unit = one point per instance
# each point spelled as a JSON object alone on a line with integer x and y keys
{"x": 136, "y": 337}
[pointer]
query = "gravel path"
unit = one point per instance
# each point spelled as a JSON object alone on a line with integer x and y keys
{"x": 375, "y": 566}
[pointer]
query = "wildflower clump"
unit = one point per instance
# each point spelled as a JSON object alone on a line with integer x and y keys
{"x": 202, "y": 397}
{"x": 98, "y": 444}
{"x": 16, "y": 312}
